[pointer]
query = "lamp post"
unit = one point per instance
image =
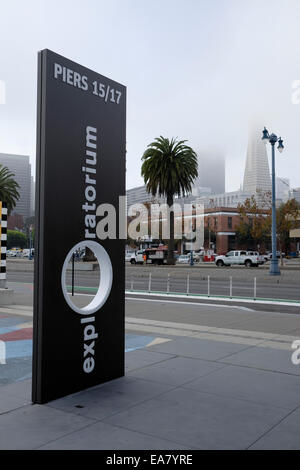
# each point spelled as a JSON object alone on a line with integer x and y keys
{"x": 192, "y": 258}
{"x": 30, "y": 242}
{"x": 274, "y": 267}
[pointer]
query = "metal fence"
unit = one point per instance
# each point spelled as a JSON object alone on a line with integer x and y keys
{"x": 210, "y": 286}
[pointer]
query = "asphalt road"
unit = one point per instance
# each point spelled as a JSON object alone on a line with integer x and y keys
{"x": 284, "y": 287}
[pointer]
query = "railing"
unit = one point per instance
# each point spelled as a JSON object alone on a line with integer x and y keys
{"x": 214, "y": 287}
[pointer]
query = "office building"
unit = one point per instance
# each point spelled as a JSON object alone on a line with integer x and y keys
{"x": 140, "y": 195}
{"x": 32, "y": 198}
{"x": 211, "y": 173}
{"x": 295, "y": 194}
{"x": 229, "y": 199}
{"x": 282, "y": 189}
{"x": 257, "y": 173}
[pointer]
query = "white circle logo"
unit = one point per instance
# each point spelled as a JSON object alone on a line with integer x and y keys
{"x": 105, "y": 280}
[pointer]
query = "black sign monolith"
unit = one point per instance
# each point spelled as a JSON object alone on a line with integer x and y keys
{"x": 81, "y": 126}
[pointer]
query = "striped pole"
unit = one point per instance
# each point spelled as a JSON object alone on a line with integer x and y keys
{"x": 3, "y": 243}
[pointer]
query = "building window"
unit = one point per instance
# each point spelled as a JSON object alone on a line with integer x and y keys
{"x": 229, "y": 222}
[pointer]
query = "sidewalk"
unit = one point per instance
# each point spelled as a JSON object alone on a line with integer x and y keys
{"x": 187, "y": 387}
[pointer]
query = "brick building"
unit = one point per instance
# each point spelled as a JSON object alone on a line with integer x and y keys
{"x": 220, "y": 225}
{"x": 221, "y": 222}
{"x": 220, "y": 230}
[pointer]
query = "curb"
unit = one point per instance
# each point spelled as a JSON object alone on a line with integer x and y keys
{"x": 179, "y": 295}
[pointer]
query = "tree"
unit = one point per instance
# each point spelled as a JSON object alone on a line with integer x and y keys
{"x": 254, "y": 222}
{"x": 8, "y": 188}
{"x": 169, "y": 168}
{"x": 16, "y": 239}
{"x": 286, "y": 220}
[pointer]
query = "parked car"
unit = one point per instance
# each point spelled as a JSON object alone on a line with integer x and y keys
{"x": 268, "y": 255}
{"x": 12, "y": 253}
{"x": 196, "y": 256}
{"x": 199, "y": 254}
{"x": 240, "y": 257}
{"x": 128, "y": 255}
{"x": 184, "y": 259}
{"x": 26, "y": 253}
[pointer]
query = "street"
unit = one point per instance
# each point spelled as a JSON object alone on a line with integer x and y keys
{"x": 245, "y": 282}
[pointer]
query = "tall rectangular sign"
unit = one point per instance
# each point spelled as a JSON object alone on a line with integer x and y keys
{"x": 80, "y": 167}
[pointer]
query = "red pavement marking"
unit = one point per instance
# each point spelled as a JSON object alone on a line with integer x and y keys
{"x": 24, "y": 333}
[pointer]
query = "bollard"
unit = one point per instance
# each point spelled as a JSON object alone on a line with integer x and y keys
{"x": 188, "y": 284}
{"x": 149, "y": 284}
{"x": 255, "y": 288}
{"x": 231, "y": 287}
{"x": 168, "y": 284}
{"x": 208, "y": 286}
{"x": 131, "y": 287}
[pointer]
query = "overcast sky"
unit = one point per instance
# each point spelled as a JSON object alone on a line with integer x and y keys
{"x": 196, "y": 69}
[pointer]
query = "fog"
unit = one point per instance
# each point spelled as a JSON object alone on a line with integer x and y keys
{"x": 196, "y": 69}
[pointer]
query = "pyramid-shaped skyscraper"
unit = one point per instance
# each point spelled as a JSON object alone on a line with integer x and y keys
{"x": 257, "y": 173}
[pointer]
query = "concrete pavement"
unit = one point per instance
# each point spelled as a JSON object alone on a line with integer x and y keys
{"x": 209, "y": 377}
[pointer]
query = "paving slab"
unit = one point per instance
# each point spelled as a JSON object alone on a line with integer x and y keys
{"x": 201, "y": 349}
{"x": 15, "y": 368}
{"x": 110, "y": 398}
{"x": 176, "y": 371}
{"x": 11, "y": 402}
{"x": 284, "y": 436}
{"x": 200, "y": 420}
{"x": 258, "y": 386}
{"x": 102, "y": 436}
{"x": 34, "y": 425}
{"x": 143, "y": 357}
{"x": 264, "y": 358}
{"x": 21, "y": 389}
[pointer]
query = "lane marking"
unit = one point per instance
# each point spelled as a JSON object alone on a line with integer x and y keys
{"x": 191, "y": 303}
{"x": 178, "y": 302}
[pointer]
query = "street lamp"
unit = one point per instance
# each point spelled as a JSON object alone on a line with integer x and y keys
{"x": 272, "y": 139}
{"x": 30, "y": 242}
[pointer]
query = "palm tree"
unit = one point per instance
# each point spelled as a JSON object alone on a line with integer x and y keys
{"x": 169, "y": 169}
{"x": 8, "y": 188}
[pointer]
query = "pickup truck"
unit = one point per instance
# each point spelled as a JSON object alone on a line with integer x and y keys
{"x": 137, "y": 257}
{"x": 246, "y": 258}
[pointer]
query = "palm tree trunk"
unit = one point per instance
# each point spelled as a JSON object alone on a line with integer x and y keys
{"x": 171, "y": 259}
